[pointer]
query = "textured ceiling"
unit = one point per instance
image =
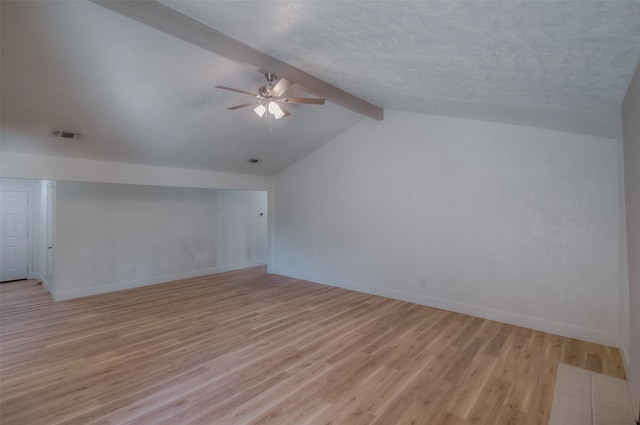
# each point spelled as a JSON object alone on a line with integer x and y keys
{"x": 139, "y": 95}
{"x": 142, "y": 96}
{"x": 564, "y": 65}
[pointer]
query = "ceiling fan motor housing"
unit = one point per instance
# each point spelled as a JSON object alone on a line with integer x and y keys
{"x": 265, "y": 91}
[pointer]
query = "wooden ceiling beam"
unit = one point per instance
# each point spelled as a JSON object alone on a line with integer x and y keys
{"x": 170, "y": 21}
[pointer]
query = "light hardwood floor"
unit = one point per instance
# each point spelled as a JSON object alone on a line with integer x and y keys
{"x": 250, "y": 348}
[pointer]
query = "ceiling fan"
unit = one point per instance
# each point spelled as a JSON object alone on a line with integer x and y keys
{"x": 270, "y": 97}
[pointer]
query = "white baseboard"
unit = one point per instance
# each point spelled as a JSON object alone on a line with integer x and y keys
{"x": 599, "y": 337}
{"x": 119, "y": 286}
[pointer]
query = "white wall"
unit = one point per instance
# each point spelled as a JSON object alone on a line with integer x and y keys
{"x": 631, "y": 140}
{"x": 623, "y": 275}
{"x": 511, "y": 223}
{"x": 114, "y": 236}
{"x": 40, "y": 226}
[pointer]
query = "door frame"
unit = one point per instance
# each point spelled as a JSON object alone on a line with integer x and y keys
{"x": 16, "y": 185}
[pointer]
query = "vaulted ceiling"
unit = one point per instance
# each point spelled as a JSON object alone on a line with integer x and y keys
{"x": 140, "y": 95}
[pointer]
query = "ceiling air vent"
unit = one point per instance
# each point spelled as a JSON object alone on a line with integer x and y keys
{"x": 66, "y": 134}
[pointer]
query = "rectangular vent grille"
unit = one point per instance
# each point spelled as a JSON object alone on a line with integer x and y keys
{"x": 66, "y": 134}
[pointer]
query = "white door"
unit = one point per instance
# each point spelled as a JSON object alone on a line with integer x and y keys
{"x": 13, "y": 235}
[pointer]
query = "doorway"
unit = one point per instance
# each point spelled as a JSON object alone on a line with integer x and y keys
{"x": 26, "y": 230}
{"x": 14, "y": 252}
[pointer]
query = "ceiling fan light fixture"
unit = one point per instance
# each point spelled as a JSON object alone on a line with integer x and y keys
{"x": 260, "y": 110}
{"x": 275, "y": 109}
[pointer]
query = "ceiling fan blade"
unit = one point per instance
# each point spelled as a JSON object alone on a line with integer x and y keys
{"x": 306, "y": 100}
{"x": 236, "y": 90}
{"x": 281, "y": 86}
{"x": 242, "y": 106}
{"x": 286, "y": 112}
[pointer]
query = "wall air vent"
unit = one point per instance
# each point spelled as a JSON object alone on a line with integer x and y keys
{"x": 66, "y": 134}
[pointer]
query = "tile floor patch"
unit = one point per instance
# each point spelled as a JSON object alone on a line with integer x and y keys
{"x": 583, "y": 397}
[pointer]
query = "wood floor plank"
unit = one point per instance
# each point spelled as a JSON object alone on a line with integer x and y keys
{"x": 246, "y": 347}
